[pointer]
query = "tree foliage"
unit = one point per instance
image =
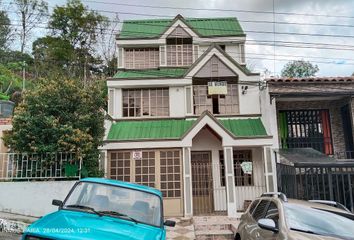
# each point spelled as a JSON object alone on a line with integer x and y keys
{"x": 299, "y": 68}
{"x": 70, "y": 48}
{"x": 60, "y": 116}
{"x": 5, "y": 30}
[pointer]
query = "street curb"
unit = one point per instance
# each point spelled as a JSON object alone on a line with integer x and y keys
{"x": 12, "y": 226}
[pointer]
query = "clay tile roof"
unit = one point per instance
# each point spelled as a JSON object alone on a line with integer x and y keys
{"x": 310, "y": 79}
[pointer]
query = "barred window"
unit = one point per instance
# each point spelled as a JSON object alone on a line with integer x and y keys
{"x": 145, "y": 169}
{"x": 146, "y": 102}
{"x": 170, "y": 167}
{"x": 120, "y": 166}
{"x": 140, "y": 58}
{"x": 217, "y": 104}
{"x": 241, "y": 178}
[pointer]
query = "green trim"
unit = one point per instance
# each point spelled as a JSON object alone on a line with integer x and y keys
{"x": 174, "y": 129}
{"x": 203, "y": 27}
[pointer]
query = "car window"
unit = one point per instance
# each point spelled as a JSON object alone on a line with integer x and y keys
{"x": 253, "y": 206}
{"x": 317, "y": 221}
{"x": 260, "y": 209}
{"x": 272, "y": 212}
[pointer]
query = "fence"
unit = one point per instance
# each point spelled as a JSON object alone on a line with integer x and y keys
{"x": 25, "y": 166}
{"x": 320, "y": 181}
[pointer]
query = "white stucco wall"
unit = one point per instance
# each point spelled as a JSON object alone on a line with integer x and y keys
{"x": 177, "y": 102}
{"x": 249, "y": 102}
{"x": 32, "y": 198}
{"x": 234, "y": 52}
{"x": 269, "y": 116}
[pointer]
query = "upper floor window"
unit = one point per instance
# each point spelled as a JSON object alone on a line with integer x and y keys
{"x": 146, "y": 102}
{"x": 179, "y": 51}
{"x": 216, "y": 104}
{"x": 140, "y": 58}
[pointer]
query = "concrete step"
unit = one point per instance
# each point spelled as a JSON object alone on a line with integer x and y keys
{"x": 211, "y": 227}
{"x": 214, "y": 235}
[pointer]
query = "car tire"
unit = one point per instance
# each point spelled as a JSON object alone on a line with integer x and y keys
{"x": 237, "y": 237}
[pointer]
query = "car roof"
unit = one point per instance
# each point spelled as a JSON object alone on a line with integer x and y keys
{"x": 123, "y": 184}
{"x": 320, "y": 206}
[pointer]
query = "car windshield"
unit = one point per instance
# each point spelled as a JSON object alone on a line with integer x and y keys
{"x": 318, "y": 221}
{"x": 102, "y": 199}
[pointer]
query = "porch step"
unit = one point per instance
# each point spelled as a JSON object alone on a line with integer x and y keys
{"x": 215, "y": 227}
{"x": 214, "y": 235}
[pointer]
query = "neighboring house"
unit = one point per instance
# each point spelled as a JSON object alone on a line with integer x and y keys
{"x": 315, "y": 113}
{"x": 315, "y": 118}
{"x": 205, "y": 147}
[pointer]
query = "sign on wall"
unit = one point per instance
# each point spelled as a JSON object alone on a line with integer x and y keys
{"x": 217, "y": 88}
{"x": 247, "y": 167}
{"x": 137, "y": 155}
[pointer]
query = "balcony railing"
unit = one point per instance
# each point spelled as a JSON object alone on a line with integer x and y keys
{"x": 344, "y": 155}
{"x": 25, "y": 166}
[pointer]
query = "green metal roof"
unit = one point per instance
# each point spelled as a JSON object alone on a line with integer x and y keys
{"x": 204, "y": 27}
{"x": 244, "y": 127}
{"x": 176, "y": 128}
{"x": 149, "y": 129}
{"x": 151, "y": 73}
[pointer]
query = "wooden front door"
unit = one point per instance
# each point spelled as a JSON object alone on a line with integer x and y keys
{"x": 202, "y": 183}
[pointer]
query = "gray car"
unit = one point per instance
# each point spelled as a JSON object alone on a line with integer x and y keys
{"x": 273, "y": 216}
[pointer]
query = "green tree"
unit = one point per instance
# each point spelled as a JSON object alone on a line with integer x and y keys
{"x": 10, "y": 83}
{"x": 80, "y": 26}
{"x": 5, "y": 30}
{"x": 53, "y": 56}
{"x": 299, "y": 68}
{"x": 60, "y": 115}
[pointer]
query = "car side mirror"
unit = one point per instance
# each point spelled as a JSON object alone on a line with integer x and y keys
{"x": 57, "y": 203}
{"x": 267, "y": 224}
{"x": 169, "y": 223}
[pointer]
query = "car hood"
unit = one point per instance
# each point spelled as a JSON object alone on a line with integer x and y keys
{"x": 306, "y": 236}
{"x": 65, "y": 224}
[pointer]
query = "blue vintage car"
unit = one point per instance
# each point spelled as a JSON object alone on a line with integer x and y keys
{"x": 97, "y": 208}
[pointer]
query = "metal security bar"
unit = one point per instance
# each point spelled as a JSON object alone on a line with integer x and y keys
{"x": 207, "y": 199}
{"x": 306, "y": 128}
{"x": 26, "y": 166}
{"x": 334, "y": 181}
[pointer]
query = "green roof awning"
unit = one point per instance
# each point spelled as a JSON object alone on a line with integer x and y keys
{"x": 205, "y": 27}
{"x": 176, "y": 128}
{"x": 151, "y": 73}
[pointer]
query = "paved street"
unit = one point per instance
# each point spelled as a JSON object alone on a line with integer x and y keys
{"x": 9, "y": 236}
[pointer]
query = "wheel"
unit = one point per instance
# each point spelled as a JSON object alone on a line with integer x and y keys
{"x": 237, "y": 237}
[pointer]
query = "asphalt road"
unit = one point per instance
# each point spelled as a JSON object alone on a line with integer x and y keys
{"x": 9, "y": 236}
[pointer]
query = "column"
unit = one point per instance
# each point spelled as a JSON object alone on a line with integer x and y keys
{"x": 270, "y": 170}
{"x": 230, "y": 182}
{"x": 187, "y": 183}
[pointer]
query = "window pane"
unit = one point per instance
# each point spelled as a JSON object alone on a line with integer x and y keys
{"x": 170, "y": 163}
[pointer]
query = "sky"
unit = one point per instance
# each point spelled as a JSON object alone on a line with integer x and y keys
{"x": 330, "y": 24}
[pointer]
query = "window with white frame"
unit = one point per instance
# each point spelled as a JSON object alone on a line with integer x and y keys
{"x": 146, "y": 102}
{"x": 216, "y": 104}
{"x": 179, "y": 51}
{"x": 140, "y": 58}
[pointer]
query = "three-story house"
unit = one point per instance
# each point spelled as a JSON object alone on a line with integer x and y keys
{"x": 185, "y": 116}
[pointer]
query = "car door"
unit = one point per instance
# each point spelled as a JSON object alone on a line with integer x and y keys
{"x": 271, "y": 213}
{"x": 251, "y": 227}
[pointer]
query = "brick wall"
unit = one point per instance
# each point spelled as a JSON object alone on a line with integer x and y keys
{"x": 334, "y": 111}
{"x": 5, "y": 121}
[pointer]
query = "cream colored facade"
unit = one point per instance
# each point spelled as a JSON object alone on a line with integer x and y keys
{"x": 207, "y": 142}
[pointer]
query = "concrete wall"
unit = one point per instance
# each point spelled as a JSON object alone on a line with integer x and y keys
{"x": 32, "y": 198}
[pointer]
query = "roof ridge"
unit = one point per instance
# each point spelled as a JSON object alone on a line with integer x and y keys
{"x": 171, "y": 19}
